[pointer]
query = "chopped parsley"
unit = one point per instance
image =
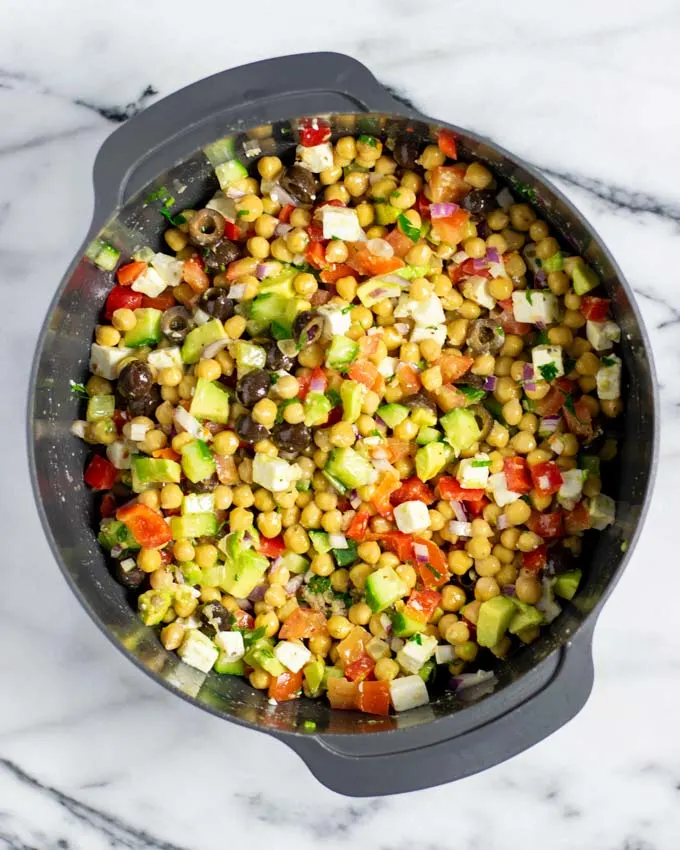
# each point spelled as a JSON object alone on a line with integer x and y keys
{"x": 499, "y": 331}
{"x": 409, "y": 230}
{"x": 472, "y": 394}
{"x": 435, "y": 572}
{"x": 480, "y": 463}
{"x": 241, "y": 213}
{"x": 78, "y": 389}
{"x": 530, "y": 298}
{"x": 524, "y": 191}
{"x": 548, "y": 371}
{"x": 542, "y": 338}
{"x": 608, "y": 361}
{"x": 302, "y": 486}
{"x": 282, "y": 406}
{"x": 569, "y": 364}
{"x": 368, "y": 140}
{"x": 319, "y": 584}
{"x": 161, "y": 194}
{"x": 251, "y": 636}
{"x": 375, "y": 433}
{"x": 175, "y": 220}
{"x": 416, "y": 638}
{"x": 569, "y": 403}
{"x": 347, "y": 309}
{"x": 334, "y": 397}
{"x": 279, "y": 331}
{"x": 273, "y": 377}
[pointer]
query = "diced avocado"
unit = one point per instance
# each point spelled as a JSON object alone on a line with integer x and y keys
{"x": 152, "y": 470}
{"x": 191, "y": 573}
{"x": 352, "y": 396}
{"x": 154, "y": 605}
{"x": 147, "y": 329}
{"x": 423, "y": 417}
{"x": 225, "y": 667}
{"x": 213, "y": 576}
{"x": 583, "y": 278}
{"x": 461, "y": 429}
{"x": 341, "y": 352}
{"x": 249, "y": 356}
{"x": 197, "y": 461}
{"x": 392, "y": 414}
{"x": 567, "y": 584}
{"x": 494, "y": 618}
{"x": 317, "y": 409}
{"x": 386, "y": 214}
{"x": 320, "y": 541}
{"x": 376, "y": 289}
{"x": 345, "y": 557}
{"x": 105, "y": 256}
{"x": 193, "y": 525}
{"x": 197, "y": 339}
{"x": 350, "y": 468}
{"x": 383, "y": 588}
{"x": 228, "y": 172}
{"x": 428, "y": 435}
{"x": 405, "y": 626}
{"x": 243, "y": 574}
{"x": 100, "y": 407}
{"x": 281, "y": 284}
{"x": 268, "y": 307}
{"x": 264, "y": 657}
{"x": 294, "y": 563}
{"x": 314, "y": 676}
{"x": 555, "y": 263}
{"x": 112, "y": 533}
{"x": 525, "y": 616}
{"x": 210, "y": 402}
{"x": 431, "y": 459}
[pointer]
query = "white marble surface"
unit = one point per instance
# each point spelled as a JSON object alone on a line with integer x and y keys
{"x": 95, "y": 755}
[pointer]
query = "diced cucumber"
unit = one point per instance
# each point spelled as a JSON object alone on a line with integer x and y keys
{"x": 210, "y": 401}
{"x": 352, "y": 396}
{"x": 112, "y": 533}
{"x": 567, "y": 584}
{"x": 193, "y": 525}
{"x": 404, "y": 626}
{"x": 314, "y": 676}
{"x": 347, "y": 556}
{"x": 225, "y": 667}
{"x": 461, "y": 429}
{"x": 197, "y": 339}
{"x": 320, "y": 541}
{"x": 337, "y": 485}
{"x": 147, "y": 329}
{"x": 100, "y": 407}
{"x": 317, "y": 409}
{"x": 228, "y": 172}
{"x": 105, "y": 257}
{"x": 392, "y": 414}
{"x": 268, "y": 307}
{"x": 341, "y": 352}
{"x": 197, "y": 461}
{"x": 264, "y": 657}
{"x": 281, "y": 284}
{"x": 294, "y": 563}
{"x": 383, "y": 588}
{"x": 151, "y": 470}
{"x": 350, "y": 468}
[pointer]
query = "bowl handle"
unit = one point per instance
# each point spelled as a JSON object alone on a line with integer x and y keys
{"x": 454, "y": 758}
{"x": 192, "y": 117}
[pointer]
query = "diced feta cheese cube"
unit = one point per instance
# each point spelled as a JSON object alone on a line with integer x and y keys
{"x": 548, "y": 362}
{"x": 103, "y": 360}
{"x": 388, "y": 366}
{"x": 498, "y": 484}
{"x": 274, "y": 473}
{"x": 149, "y": 283}
{"x": 473, "y": 472}
{"x": 231, "y": 644}
{"x": 336, "y": 322}
{"x": 341, "y": 223}
{"x": 164, "y": 358}
{"x": 415, "y": 652}
{"x": 412, "y": 517}
{"x": 128, "y": 564}
{"x": 427, "y": 313}
{"x": 198, "y": 503}
{"x": 294, "y": 656}
{"x": 408, "y": 692}
{"x": 119, "y": 454}
{"x": 476, "y": 288}
{"x": 602, "y": 335}
{"x": 225, "y": 206}
{"x": 316, "y": 158}
{"x": 445, "y": 654}
{"x": 571, "y": 488}
{"x": 609, "y": 378}
{"x": 437, "y": 333}
{"x": 197, "y": 650}
{"x": 531, "y": 305}
{"x": 169, "y": 268}
{"x": 602, "y": 511}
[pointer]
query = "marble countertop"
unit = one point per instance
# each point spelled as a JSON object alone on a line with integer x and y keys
{"x": 92, "y": 753}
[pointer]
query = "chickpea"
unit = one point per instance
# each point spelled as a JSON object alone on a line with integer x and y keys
{"x": 386, "y": 669}
{"x": 269, "y": 523}
{"x": 528, "y": 589}
{"x": 470, "y": 310}
{"x": 516, "y": 513}
{"x": 500, "y": 288}
{"x": 453, "y": 598}
{"x": 208, "y": 369}
{"x": 523, "y": 442}
{"x": 432, "y": 157}
{"x": 149, "y": 560}
{"x": 265, "y": 227}
{"x": 512, "y": 412}
{"x": 479, "y": 547}
{"x": 475, "y": 247}
{"x": 522, "y": 216}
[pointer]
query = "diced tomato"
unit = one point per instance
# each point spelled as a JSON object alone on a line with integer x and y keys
{"x": 304, "y": 623}
{"x": 577, "y": 520}
{"x": 550, "y": 404}
{"x": 368, "y": 345}
{"x": 285, "y": 213}
{"x": 446, "y": 139}
{"x": 546, "y": 525}
{"x": 468, "y": 268}
{"x": 452, "y": 228}
{"x": 535, "y": 561}
{"x": 100, "y": 473}
{"x": 369, "y": 264}
{"x": 447, "y": 185}
{"x": 164, "y": 301}
{"x": 119, "y": 297}
{"x": 316, "y": 255}
{"x": 594, "y": 309}
{"x": 454, "y": 367}
{"x": 412, "y": 490}
{"x": 399, "y": 242}
{"x": 314, "y": 131}
{"x": 398, "y": 449}
{"x": 455, "y": 272}
{"x": 399, "y": 543}
{"x": 435, "y": 572}
{"x": 382, "y": 493}
{"x": 358, "y": 526}
{"x": 423, "y": 206}
{"x": 360, "y": 669}
{"x": 335, "y": 271}
{"x": 374, "y": 697}
{"x": 353, "y": 646}
{"x": 148, "y": 528}
{"x": 580, "y": 419}
{"x": 242, "y": 619}
{"x": 547, "y": 478}
{"x": 450, "y": 489}
{"x": 194, "y": 274}
{"x": 423, "y": 603}
{"x": 343, "y": 694}
{"x": 476, "y": 506}
{"x": 272, "y": 547}
{"x": 364, "y": 372}
{"x": 128, "y": 274}
{"x": 286, "y": 686}
{"x": 107, "y": 506}
{"x": 315, "y": 231}
{"x": 409, "y": 378}
{"x": 517, "y": 474}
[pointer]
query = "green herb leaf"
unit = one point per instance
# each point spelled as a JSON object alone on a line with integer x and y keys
{"x": 78, "y": 389}
{"x": 416, "y": 638}
{"x": 435, "y": 572}
{"x": 161, "y": 194}
{"x": 569, "y": 364}
{"x": 273, "y": 378}
{"x": 472, "y": 394}
{"x": 279, "y": 330}
{"x": 408, "y": 229}
{"x": 530, "y": 297}
{"x": 282, "y": 406}
{"x": 548, "y": 371}
{"x": 480, "y": 463}
{"x": 319, "y": 584}
{"x": 375, "y": 433}
{"x": 569, "y": 403}
{"x": 309, "y": 726}
{"x": 176, "y": 220}
{"x": 608, "y": 361}
{"x": 241, "y": 213}
{"x": 334, "y": 397}
{"x": 368, "y": 140}
{"x": 542, "y": 339}
{"x": 252, "y": 636}
{"x": 347, "y": 309}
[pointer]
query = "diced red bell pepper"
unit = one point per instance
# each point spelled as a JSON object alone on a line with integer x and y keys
{"x": 451, "y": 490}
{"x": 128, "y": 274}
{"x": 234, "y": 232}
{"x": 446, "y": 139}
{"x": 469, "y": 268}
{"x": 107, "y": 506}
{"x": 148, "y": 528}
{"x": 382, "y": 493}
{"x": 358, "y": 526}
{"x": 304, "y": 623}
{"x": 120, "y": 297}
{"x": 423, "y": 206}
{"x": 335, "y": 271}
{"x": 100, "y": 473}
{"x": 476, "y": 506}
{"x": 194, "y": 274}
{"x": 594, "y": 309}
{"x": 272, "y": 547}
{"x": 447, "y": 184}
{"x": 314, "y": 131}
{"x": 374, "y": 697}
{"x": 400, "y": 243}
{"x": 412, "y": 490}
{"x": 577, "y": 520}
{"x": 517, "y": 474}
{"x": 360, "y": 669}
{"x": 548, "y": 526}
{"x": 316, "y": 255}
{"x": 399, "y": 543}
{"x": 455, "y": 272}
{"x": 452, "y": 228}
{"x": 580, "y": 419}
{"x": 286, "y": 686}
{"x": 164, "y": 301}
{"x": 453, "y": 366}
{"x": 435, "y": 572}
{"x": 242, "y": 619}
{"x": 535, "y": 561}
{"x": 547, "y": 478}
{"x": 285, "y": 213}
{"x": 423, "y": 603}
{"x": 343, "y": 694}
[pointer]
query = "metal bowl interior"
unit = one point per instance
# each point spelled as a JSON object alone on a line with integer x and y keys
{"x": 68, "y": 509}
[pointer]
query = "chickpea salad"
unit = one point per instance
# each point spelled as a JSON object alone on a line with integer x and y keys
{"x": 348, "y": 426}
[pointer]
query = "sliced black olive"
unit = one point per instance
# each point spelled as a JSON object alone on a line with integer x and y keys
{"x": 252, "y": 387}
{"x": 215, "y": 302}
{"x": 205, "y": 486}
{"x": 406, "y": 152}
{"x": 135, "y": 380}
{"x": 559, "y": 560}
{"x": 217, "y": 615}
{"x": 175, "y": 324}
{"x": 470, "y": 380}
{"x": 420, "y": 401}
{"x": 146, "y": 406}
{"x": 206, "y": 228}
{"x": 484, "y": 420}
{"x": 250, "y": 431}
{"x": 483, "y": 337}
{"x": 300, "y": 184}
{"x": 311, "y": 331}
{"x": 130, "y": 578}
{"x": 221, "y": 254}
{"x": 276, "y": 359}
{"x": 479, "y": 201}
{"x": 292, "y": 438}
{"x": 483, "y": 229}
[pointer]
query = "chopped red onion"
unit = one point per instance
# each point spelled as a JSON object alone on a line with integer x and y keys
{"x": 354, "y": 499}
{"x": 264, "y": 270}
{"x": 401, "y": 328}
{"x": 464, "y": 681}
{"x": 421, "y": 553}
{"x": 257, "y": 594}
{"x": 492, "y": 256}
{"x": 548, "y": 425}
{"x": 386, "y": 623}
{"x": 280, "y": 196}
{"x": 443, "y": 210}
{"x": 479, "y": 265}
{"x": 245, "y": 604}
{"x": 527, "y": 372}
{"x": 282, "y": 228}
{"x": 294, "y": 584}
{"x": 508, "y": 590}
{"x": 379, "y": 421}
{"x": 460, "y": 529}
{"x": 396, "y": 644}
{"x": 116, "y": 551}
{"x": 459, "y": 510}
{"x": 540, "y": 325}
{"x": 233, "y": 192}
{"x": 540, "y": 278}
{"x": 380, "y": 248}
{"x": 490, "y": 383}
{"x": 381, "y": 464}
{"x": 237, "y": 291}
{"x": 502, "y": 522}
{"x": 459, "y": 258}
{"x": 317, "y": 385}
{"x": 190, "y": 424}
